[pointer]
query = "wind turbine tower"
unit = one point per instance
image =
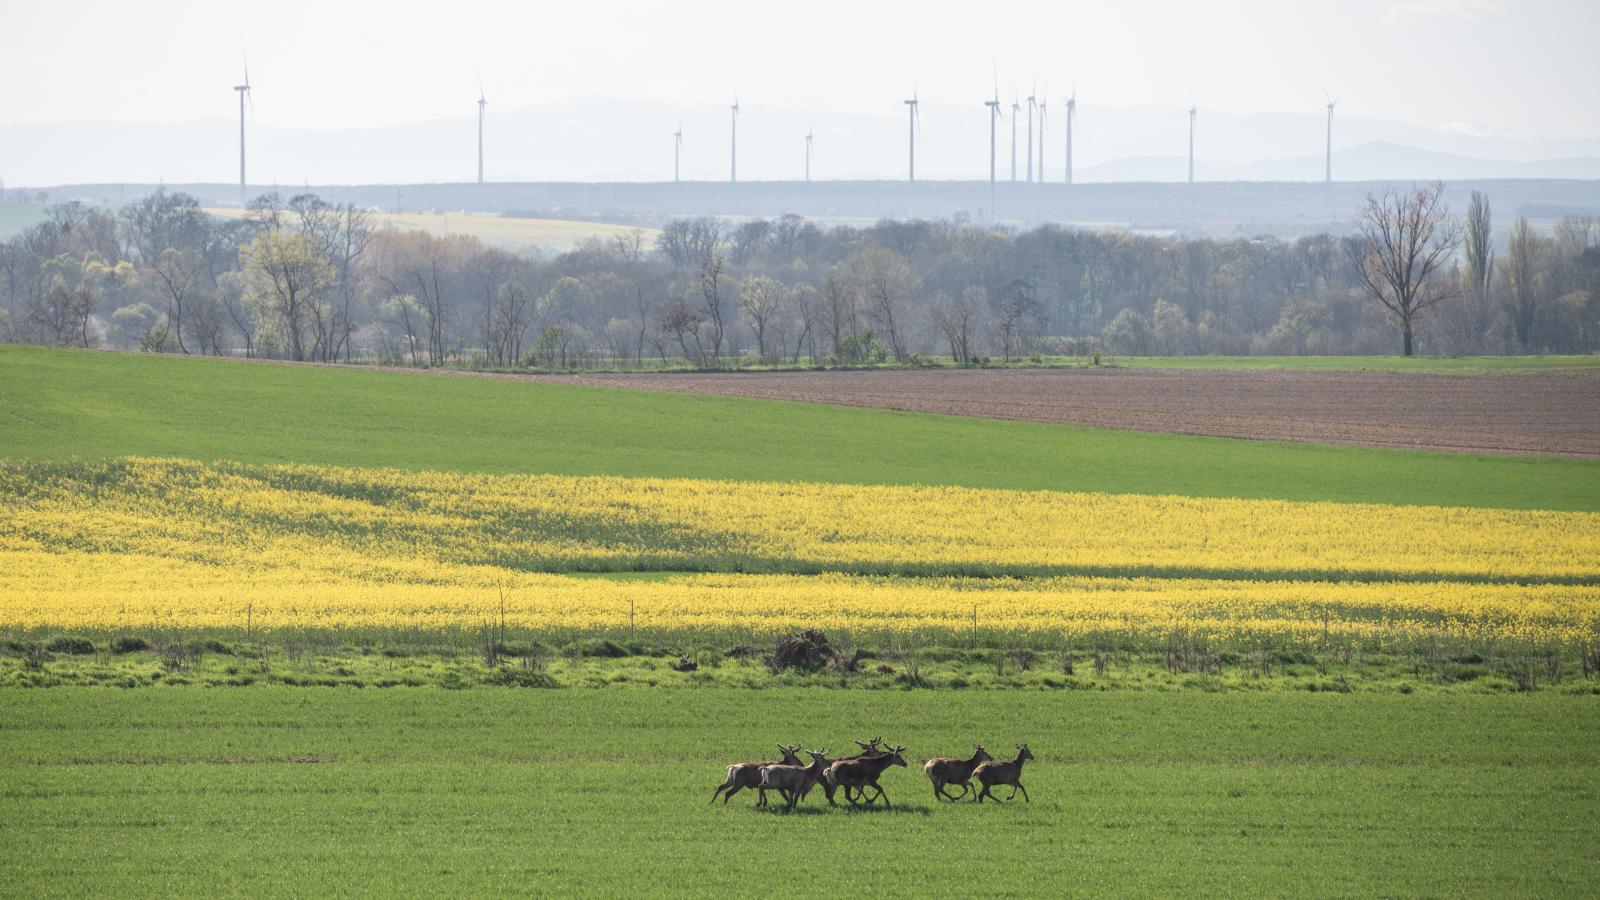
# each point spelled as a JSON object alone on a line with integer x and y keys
{"x": 677, "y": 150}
{"x": 1042, "y": 131}
{"x": 1328, "y": 175}
{"x": 808, "y": 156}
{"x": 733, "y": 170}
{"x": 1192, "y": 111}
{"x": 994, "y": 113}
{"x": 244, "y": 93}
{"x": 1072, "y": 113}
{"x": 1016, "y": 108}
{"x": 1032, "y": 102}
{"x": 481, "y": 104}
{"x": 913, "y": 119}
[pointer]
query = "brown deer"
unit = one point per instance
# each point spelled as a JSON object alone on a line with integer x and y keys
{"x": 868, "y": 748}
{"x": 748, "y": 775}
{"x": 1004, "y": 771}
{"x": 860, "y": 774}
{"x": 795, "y": 782}
{"x": 943, "y": 770}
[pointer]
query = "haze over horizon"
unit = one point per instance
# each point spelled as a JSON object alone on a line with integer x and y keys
{"x": 1488, "y": 80}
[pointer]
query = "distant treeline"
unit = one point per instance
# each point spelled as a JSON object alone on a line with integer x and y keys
{"x": 299, "y": 278}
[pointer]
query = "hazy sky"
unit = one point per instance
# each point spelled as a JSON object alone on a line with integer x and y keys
{"x": 1515, "y": 67}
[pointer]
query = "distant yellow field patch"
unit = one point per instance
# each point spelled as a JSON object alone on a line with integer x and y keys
{"x": 509, "y": 232}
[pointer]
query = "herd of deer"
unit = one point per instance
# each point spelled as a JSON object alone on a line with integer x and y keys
{"x": 793, "y": 780}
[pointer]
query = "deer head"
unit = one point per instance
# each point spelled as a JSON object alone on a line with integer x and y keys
{"x": 980, "y": 754}
{"x": 1023, "y": 752}
{"x": 894, "y": 756}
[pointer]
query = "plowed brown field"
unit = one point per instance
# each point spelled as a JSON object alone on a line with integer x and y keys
{"x": 1481, "y": 414}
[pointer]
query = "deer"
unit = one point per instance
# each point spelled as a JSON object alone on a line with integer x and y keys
{"x": 859, "y": 774}
{"x": 748, "y": 775}
{"x": 868, "y": 748}
{"x": 1004, "y": 771}
{"x": 794, "y": 782}
{"x": 945, "y": 770}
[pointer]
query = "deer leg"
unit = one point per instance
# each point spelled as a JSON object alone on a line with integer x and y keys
{"x": 731, "y": 791}
{"x": 718, "y": 792}
{"x": 1024, "y": 793}
{"x": 985, "y": 793}
{"x": 1013, "y": 794}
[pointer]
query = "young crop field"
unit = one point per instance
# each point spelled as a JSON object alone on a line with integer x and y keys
{"x": 275, "y": 629}
{"x": 277, "y": 791}
{"x": 72, "y": 404}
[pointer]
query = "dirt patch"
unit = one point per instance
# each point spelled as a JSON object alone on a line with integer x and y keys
{"x": 1521, "y": 414}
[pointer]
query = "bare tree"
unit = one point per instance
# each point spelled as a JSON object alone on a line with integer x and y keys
{"x": 1477, "y": 307}
{"x": 711, "y": 304}
{"x": 1408, "y": 239}
{"x": 178, "y": 273}
{"x": 760, "y": 301}
{"x": 887, "y": 283}
{"x": 957, "y": 320}
{"x": 839, "y": 316}
{"x": 1522, "y": 282}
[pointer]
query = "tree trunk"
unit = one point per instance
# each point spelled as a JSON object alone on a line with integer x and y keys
{"x": 1405, "y": 329}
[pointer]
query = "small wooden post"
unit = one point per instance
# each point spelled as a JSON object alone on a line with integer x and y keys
{"x": 630, "y": 618}
{"x": 974, "y": 626}
{"x": 249, "y": 615}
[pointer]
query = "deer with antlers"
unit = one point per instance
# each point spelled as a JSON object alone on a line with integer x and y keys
{"x": 794, "y": 782}
{"x": 748, "y": 775}
{"x": 947, "y": 770}
{"x": 856, "y": 775}
{"x": 868, "y": 748}
{"x": 1004, "y": 771}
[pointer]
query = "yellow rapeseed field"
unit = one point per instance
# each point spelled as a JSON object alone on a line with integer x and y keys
{"x": 139, "y": 542}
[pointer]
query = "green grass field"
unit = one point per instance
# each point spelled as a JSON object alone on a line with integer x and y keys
{"x": 56, "y": 404}
{"x": 279, "y": 791}
{"x": 1423, "y": 365}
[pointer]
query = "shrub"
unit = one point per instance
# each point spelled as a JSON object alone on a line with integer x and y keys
{"x": 599, "y": 647}
{"x": 125, "y": 644}
{"x": 73, "y": 645}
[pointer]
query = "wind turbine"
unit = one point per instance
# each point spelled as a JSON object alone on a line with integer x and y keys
{"x": 244, "y": 92}
{"x": 1072, "y": 113}
{"x": 1032, "y": 102}
{"x": 1016, "y": 107}
{"x": 994, "y": 112}
{"x": 733, "y": 170}
{"x": 1192, "y": 111}
{"x": 677, "y": 150}
{"x": 808, "y": 154}
{"x": 1042, "y": 131}
{"x": 913, "y": 120}
{"x": 481, "y": 104}
{"x": 1328, "y": 175}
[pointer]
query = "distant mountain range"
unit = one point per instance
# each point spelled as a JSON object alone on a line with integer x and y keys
{"x": 609, "y": 140}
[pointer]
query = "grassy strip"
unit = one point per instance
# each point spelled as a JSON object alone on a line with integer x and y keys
{"x": 58, "y": 404}
{"x": 465, "y": 659}
{"x": 280, "y": 791}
